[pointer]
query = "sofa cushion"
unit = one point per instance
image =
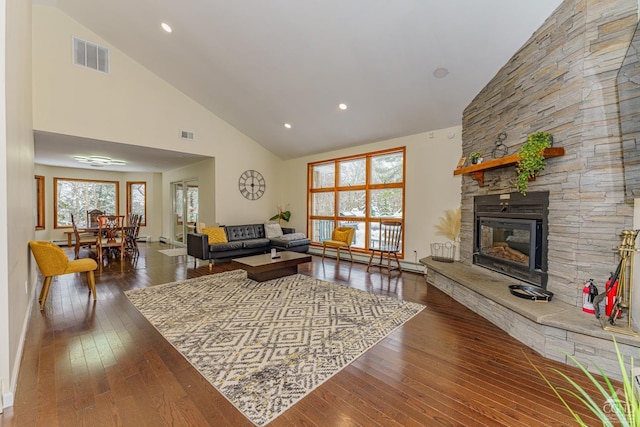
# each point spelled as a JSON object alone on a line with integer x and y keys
{"x": 216, "y": 234}
{"x": 291, "y": 240}
{"x": 340, "y": 236}
{"x": 255, "y": 243}
{"x": 240, "y": 232}
{"x": 273, "y": 230}
{"x": 293, "y": 236}
{"x": 222, "y": 247}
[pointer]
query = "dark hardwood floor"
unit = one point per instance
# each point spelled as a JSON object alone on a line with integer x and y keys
{"x": 103, "y": 364}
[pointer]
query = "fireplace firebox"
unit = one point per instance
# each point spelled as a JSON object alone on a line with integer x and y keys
{"x": 511, "y": 235}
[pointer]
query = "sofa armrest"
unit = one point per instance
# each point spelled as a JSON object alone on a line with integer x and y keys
{"x": 198, "y": 245}
{"x": 287, "y": 230}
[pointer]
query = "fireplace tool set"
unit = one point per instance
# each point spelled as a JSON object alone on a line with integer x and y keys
{"x": 618, "y": 289}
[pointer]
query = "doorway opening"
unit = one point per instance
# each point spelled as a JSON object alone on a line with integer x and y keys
{"x": 184, "y": 210}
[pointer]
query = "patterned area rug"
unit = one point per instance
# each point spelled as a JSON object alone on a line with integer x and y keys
{"x": 173, "y": 252}
{"x": 266, "y": 345}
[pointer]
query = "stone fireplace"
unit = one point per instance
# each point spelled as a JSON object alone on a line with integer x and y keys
{"x": 562, "y": 81}
{"x": 571, "y": 79}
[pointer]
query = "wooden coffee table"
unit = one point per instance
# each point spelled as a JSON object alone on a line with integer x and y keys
{"x": 262, "y": 267}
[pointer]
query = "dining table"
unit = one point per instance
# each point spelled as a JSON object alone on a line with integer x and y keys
{"x": 93, "y": 230}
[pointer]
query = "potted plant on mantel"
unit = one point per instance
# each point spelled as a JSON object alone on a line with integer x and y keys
{"x": 531, "y": 160}
{"x": 476, "y": 158}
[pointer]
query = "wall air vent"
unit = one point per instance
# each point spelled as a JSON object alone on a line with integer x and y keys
{"x": 90, "y": 55}
{"x": 185, "y": 134}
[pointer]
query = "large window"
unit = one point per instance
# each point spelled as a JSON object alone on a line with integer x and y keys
{"x": 78, "y": 197}
{"x": 356, "y": 191}
{"x": 137, "y": 200}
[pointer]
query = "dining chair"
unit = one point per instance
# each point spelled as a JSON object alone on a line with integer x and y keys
{"x": 131, "y": 235}
{"x": 388, "y": 245}
{"x": 52, "y": 261}
{"x": 111, "y": 236}
{"x": 82, "y": 239}
{"x": 341, "y": 238}
{"x": 92, "y": 217}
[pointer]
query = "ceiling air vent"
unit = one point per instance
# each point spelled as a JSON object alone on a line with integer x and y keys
{"x": 90, "y": 55}
{"x": 185, "y": 134}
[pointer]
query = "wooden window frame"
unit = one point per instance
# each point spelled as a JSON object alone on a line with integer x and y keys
{"x": 55, "y": 196}
{"x": 40, "y": 202}
{"x": 367, "y": 187}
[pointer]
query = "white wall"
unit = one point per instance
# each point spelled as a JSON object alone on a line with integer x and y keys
{"x": 133, "y": 106}
{"x": 153, "y": 227}
{"x": 431, "y": 187}
{"x": 16, "y": 207}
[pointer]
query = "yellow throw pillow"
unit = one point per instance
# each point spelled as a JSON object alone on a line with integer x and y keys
{"x": 216, "y": 234}
{"x": 340, "y": 235}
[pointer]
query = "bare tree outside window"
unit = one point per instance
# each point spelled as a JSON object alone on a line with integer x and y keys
{"x": 137, "y": 200}
{"x": 77, "y": 197}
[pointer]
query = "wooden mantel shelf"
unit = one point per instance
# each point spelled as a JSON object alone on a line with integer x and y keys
{"x": 477, "y": 171}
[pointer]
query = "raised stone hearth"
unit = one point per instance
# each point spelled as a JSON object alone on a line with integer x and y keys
{"x": 553, "y": 328}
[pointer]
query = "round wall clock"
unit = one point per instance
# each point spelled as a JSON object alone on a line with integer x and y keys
{"x": 251, "y": 184}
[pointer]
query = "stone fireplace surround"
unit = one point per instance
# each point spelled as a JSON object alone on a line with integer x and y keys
{"x": 562, "y": 81}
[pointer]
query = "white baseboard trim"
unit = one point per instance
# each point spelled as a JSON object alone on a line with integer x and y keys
{"x": 364, "y": 259}
{"x": 7, "y": 398}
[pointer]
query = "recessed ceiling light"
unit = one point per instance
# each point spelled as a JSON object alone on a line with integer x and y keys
{"x": 287, "y": 125}
{"x": 342, "y": 106}
{"x": 440, "y": 73}
{"x": 166, "y": 27}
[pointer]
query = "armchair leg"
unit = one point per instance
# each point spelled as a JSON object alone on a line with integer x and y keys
{"x": 324, "y": 248}
{"x": 350, "y": 254}
{"x": 44, "y": 292}
{"x": 91, "y": 281}
{"x": 210, "y": 265}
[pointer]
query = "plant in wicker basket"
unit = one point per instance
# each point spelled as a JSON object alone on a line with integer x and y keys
{"x": 449, "y": 225}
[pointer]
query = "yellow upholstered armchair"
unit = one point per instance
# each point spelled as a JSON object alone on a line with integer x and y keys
{"x": 341, "y": 238}
{"x": 52, "y": 261}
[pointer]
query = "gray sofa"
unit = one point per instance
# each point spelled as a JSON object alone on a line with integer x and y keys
{"x": 244, "y": 240}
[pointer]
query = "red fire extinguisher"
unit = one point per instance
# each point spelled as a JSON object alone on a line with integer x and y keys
{"x": 589, "y": 292}
{"x": 611, "y": 290}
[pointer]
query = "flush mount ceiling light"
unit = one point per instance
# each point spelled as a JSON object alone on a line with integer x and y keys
{"x": 166, "y": 27}
{"x": 287, "y": 125}
{"x": 342, "y": 106}
{"x": 99, "y": 161}
{"x": 440, "y": 73}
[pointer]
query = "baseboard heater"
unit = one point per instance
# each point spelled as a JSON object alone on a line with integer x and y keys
{"x": 144, "y": 239}
{"x": 164, "y": 239}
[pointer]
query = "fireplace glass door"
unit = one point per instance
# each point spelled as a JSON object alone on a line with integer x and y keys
{"x": 508, "y": 240}
{"x": 509, "y": 245}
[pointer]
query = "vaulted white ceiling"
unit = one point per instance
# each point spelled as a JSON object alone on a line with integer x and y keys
{"x": 261, "y": 63}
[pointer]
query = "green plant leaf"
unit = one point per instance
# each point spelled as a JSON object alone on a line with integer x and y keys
{"x": 625, "y": 412}
{"x": 531, "y": 159}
